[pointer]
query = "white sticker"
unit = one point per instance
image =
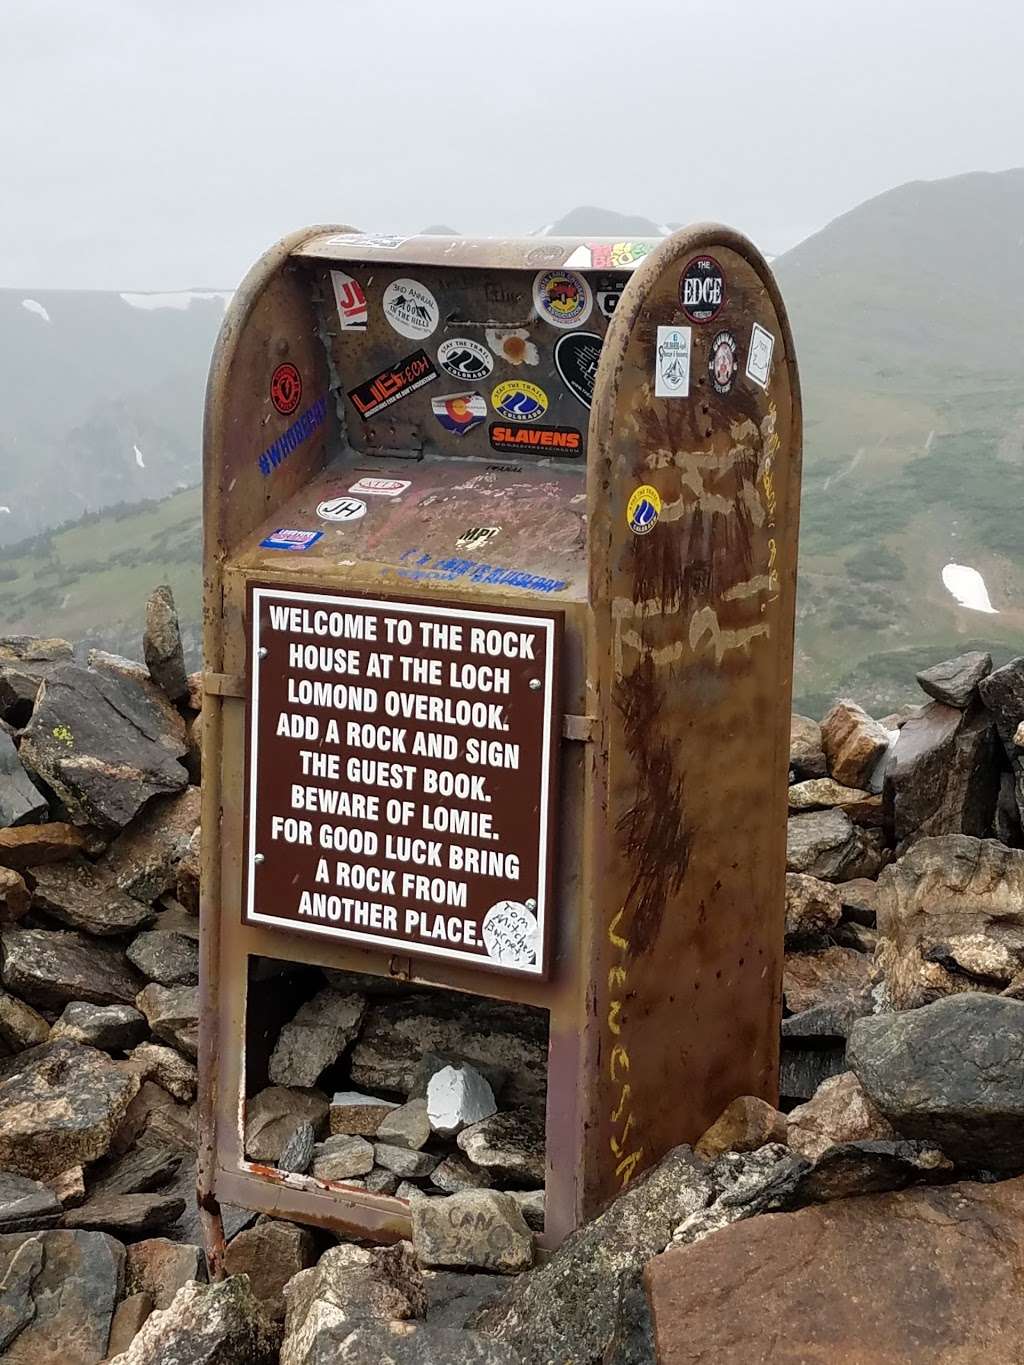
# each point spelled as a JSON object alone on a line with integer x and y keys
{"x": 513, "y": 344}
{"x": 381, "y": 488}
{"x": 341, "y": 509}
{"x": 562, "y": 297}
{"x": 464, "y": 359}
{"x": 510, "y": 933}
{"x": 759, "y": 357}
{"x": 383, "y": 240}
{"x": 476, "y": 536}
{"x": 672, "y": 363}
{"x": 411, "y": 309}
{"x": 351, "y": 301}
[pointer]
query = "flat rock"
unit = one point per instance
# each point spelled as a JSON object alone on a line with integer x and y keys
{"x": 205, "y": 1323}
{"x": 26, "y": 1205}
{"x": 173, "y": 1014}
{"x": 104, "y": 744}
{"x": 34, "y": 845}
{"x": 138, "y": 1171}
{"x": 15, "y": 897}
{"x": 822, "y": 843}
{"x": 74, "y": 1294}
{"x": 143, "y": 860}
{"x": 21, "y": 802}
{"x": 271, "y": 1116}
{"x": 297, "y": 1153}
{"x": 320, "y": 1031}
{"x": 406, "y": 1126}
{"x": 172, "y": 1072}
{"x": 813, "y": 907}
{"x": 342, "y": 1157}
{"x": 872, "y": 1167}
{"x": 476, "y": 1229}
{"x": 586, "y": 1304}
{"x": 955, "y": 681}
{"x": 743, "y": 1126}
{"x": 113, "y": 1028}
{"x": 853, "y": 744}
{"x": 125, "y": 1215}
{"x": 509, "y": 1145}
{"x": 838, "y": 1112}
{"x": 159, "y": 1267}
{"x": 803, "y": 1067}
{"x": 927, "y": 1275}
{"x": 458, "y": 1096}
{"x": 60, "y": 1109}
{"x": 949, "y": 1073}
{"x": 168, "y": 958}
{"x": 825, "y": 793}
{"x": 357, "y": 1114}
{"x": 18, "y": 1269}
{"x": 806, "y": 757}
{"x": 161, "y": 644}
{"x": 129, "y": 1315}
{"x": 75, "y": 893}
{"x": 404, "y": 1161}
{"x": 50, "y": 968}
{"x": 156, "y": 1114}
{"x": 835, "y": 979}
{"x": 943, "y": 773}
{"x": 455, "y": 1173}
{"x": 270, "y": 1254}
{"x": 20, "y": 1025}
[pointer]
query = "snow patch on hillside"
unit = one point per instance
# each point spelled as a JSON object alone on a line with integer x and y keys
{"x": 34, "y": 306}
{"x": 179, "y": 299}
{"x": 968, "y": 587}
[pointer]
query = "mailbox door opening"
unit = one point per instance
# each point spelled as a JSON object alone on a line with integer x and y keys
{"x": 364, "y": 1086}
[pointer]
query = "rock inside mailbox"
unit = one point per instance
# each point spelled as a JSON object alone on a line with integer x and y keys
{"x": 500, "y": 553}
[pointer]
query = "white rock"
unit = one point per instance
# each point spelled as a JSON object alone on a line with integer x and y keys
{"x": 456, "y": 1097}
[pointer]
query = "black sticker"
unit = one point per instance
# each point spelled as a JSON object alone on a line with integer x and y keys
{"x": 386, "y": 388}
{"x": 722, "y": 362}
{"x": 702, "y": 289}
{"x": 519, "y": 440}
{"x": 576, "y": 357}
{"x": 607, "y": 292}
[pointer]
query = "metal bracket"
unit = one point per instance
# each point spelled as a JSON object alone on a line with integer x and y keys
{"x": 581, "y": 728}
{"x": 224, "y": 684}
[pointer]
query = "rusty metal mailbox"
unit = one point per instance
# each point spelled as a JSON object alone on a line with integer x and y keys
{"x": 500, "y": 554}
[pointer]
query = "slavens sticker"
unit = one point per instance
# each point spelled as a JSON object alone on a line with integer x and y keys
{"x": 392, "y": 385}
{"x": 546, "y": 440}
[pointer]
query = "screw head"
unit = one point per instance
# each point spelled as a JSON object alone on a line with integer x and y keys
{"x": 535, "y": 684}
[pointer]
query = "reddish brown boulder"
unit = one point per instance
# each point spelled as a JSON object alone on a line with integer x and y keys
{"x": 932, "y": 1276}
{"x": 743, "y": 1126}
{"x": 853, "y": 742}
{"x": 31, "y": 845}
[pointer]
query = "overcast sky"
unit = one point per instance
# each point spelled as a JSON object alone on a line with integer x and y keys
{"x": 164, "y": 145}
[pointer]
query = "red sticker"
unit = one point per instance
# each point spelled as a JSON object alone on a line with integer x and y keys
{"x": 286, "y": 388}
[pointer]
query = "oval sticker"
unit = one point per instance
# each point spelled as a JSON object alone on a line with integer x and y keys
{"x": 562, "y": 297}
{"x": 643, "y": 509}
{"x": 411, "y": 309}
{"x": 465, "y": 359}
{"x": 341, "y": 509}
{"x": 518, "y": 400}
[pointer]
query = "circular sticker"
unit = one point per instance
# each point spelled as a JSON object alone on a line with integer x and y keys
{"x": 519, "y": 401}
{"x": 722, "y": 362}
{"x": 510, "y": 933}
{"x": 411, "y": 309}
{"x": 341, "y": 509}
{"x": 576, "y": 358}
{"x": 643, "y": 509}
{"x": 563, "y": 297}
{"x": 465, "y": 359}
{"x": 702, "y": 289}
{"x": 286, "y": 388}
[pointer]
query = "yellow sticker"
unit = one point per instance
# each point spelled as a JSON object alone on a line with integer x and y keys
{"x": 517, "y": 400}
{"x": 643, "y": 509}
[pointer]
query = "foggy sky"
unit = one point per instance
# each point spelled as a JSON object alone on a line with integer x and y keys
{"x": 164, "y": 145}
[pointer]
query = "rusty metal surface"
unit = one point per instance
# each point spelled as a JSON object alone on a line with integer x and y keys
{"x": 482, "y": 253}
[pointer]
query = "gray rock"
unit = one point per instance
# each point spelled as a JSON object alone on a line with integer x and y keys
{"x": 341, "y": 1157}
{"x": 455, "y": 1173}
{"x": 139, "y": 1171}
{"x": 1003, "y": 695}
{"x": 170, "y": 959}
{"x": 406, "y": 1343}
{"x": 955, "y": 681}
{"x": 586, "y": 1304}
{"x": 19, "y": 1270}
{"x": 509, "y": 1145}
{"x": 457, "y": 1097}
{"x": 26, "y": 1205}
{"x": 380, "y": 1181}
{"x": 406, "y": 1126}
{"x": 129, "y": 1315}
{"x": 161, "y": 644}
{"x": 159, "y": 1267}
{"x": 21, "y": 802}
{"x": 477, "y": 1229}
{"x": 297, "y": 1153}
{"x": 872, "y": 1167}
{"x": 126, "y": 1215}
{"x": 802, "y": 1068}
{"x": 173, "y": 1014}
{"x": 104, "y": 744}
{"x": 404, "y": 1161}
{"x": 943, "y": 775}
{"x": 114, "y": 1028}
{"x": 357, "y": 1114}
{"x": 207, "y": 1324}
{"x": 822, "y": 843}
{"x": 746, "y": 1183}
{"x": 949, "y": 1073}
{"x": 171, "y": 1071}
{"x": 806, "y": 757}
{"x": 271, "y": 1116}
{"x": 77, "y": 895}
{"x": 25, "y": 661}
{"x": 143, "y": 861}
{"x": 813, "y": 907}
{"x": 51, "y": 968}
{"x": 320, "y": 1031}
{"x": 74, "y": 1295}
{"x": 348, "y": 1286}
{"x": 531, "y": 1206}
{"x": 837, "y": 1114}
{"x": 270, "y": 1254}
{"x": 60, "y": 1109}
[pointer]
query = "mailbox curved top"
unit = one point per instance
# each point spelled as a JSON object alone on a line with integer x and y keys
{"x": 491, "y": 253}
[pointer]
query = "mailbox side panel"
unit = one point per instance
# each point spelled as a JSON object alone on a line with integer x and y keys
{"x": 693, "y": 500}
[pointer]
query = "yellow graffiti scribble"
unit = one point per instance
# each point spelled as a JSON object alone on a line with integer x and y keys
{"x": 628, "y": 1165}
{"x": 619, "y": 1057}
{"x": 613, "y": 937}
{"x": 613, "y": 1017}
{"x": 617, "y": 1115}
{"x": 704, "y": 626}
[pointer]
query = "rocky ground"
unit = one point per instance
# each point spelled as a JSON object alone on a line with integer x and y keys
{"x": 887, "y": 1187}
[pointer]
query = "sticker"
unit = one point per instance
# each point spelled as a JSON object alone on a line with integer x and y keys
{"x": 702, "y": 289}
{"x": 381, "y": 488}
{"x": 513, "y": 344}
{"x": 672, "y": 371}
{"x": 562, "y": 297}
{"x": 299, "y": 431}
{"x": 476, "y": 536}
{"x": 576, "y": 358}
{"x": 643, "y": 509}
{"x": 390, "y": 386}
{"x": 384, "y": 240}
{"x": 759, "y": 357}
{"x": 544, "y": 255}
{"x": 351, "y": 301}
{"x": 464, "y": 359}
{"x": 286, "y": 388}
{"x": 609, "y": 255}
{"x": 608, "y": 293}
{"x": 417, "y": 566}
{"x": 411, "y": 309}
{"x": 290, "y": 540}
{"x": 722, "y": 362}
{"x": 519, "y": 400}
{"x": 459, "y": 412}
{"x": 545, "y": 440}
{"x": 341, "y": 509}
{"x": 510, "y": 933}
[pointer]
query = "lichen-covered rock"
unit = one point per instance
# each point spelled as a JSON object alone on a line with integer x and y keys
{"x": 113, "y": 1028}
{"x": 173, "y": 1014}
{"x": 806, "y": 757}
{"x": 321, "y": 1029}
{"x": 823, "y": 843}
{"x": 174, "y": 1073}
{"x": 509, "y": 1145}
{"x": 477, "y": 1229}
{"x": 813, "y": 907}
{"x": 745, "y": 1184}
{"x": 20, "y": 1025}
{"x": 77, "y": 895}
{"x": 166, "y": 957}
{"x": 357, "y": 1114}
{"x": 159, "y": 1267}
{"x": 73, "y": 1296}
{"x": 341, "y": 1157}
{"x": 207, "y": 1324}
{"x": 143, "y": 860}
{"x": 161, "y": 644}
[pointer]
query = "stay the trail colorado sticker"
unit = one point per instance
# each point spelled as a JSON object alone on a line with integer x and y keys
{"x": 643, "y": 509}
{"x": 702, "y": 289}
{"x": 722, "y": 362}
